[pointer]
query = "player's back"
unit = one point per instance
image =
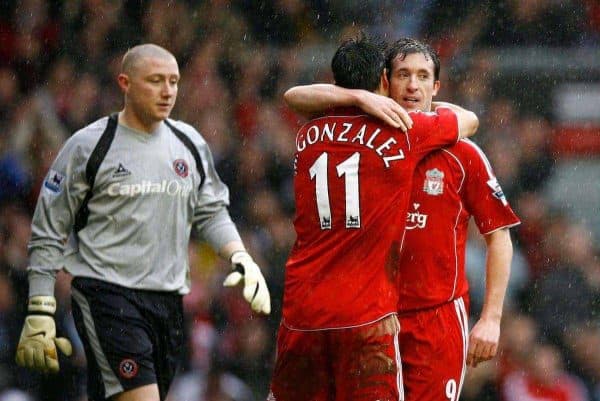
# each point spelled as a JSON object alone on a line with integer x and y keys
{"x": 352, "y": 184}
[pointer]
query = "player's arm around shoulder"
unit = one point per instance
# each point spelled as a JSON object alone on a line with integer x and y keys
{"x": 313, "y": 100}
{"x": 468, "y": 122}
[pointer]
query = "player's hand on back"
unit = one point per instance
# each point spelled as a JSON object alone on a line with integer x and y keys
{"x": 385, "y": 109}
{"x": 255, "y": 288}
{"x": 483, "y": 341}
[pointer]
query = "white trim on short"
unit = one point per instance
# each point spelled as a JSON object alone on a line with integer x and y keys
{"x": 399, "y": 378}
{"x": 463, "y": 319}
{"x": 112, "y": 385}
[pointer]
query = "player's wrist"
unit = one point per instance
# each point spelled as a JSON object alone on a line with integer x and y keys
{"x": 41, "y": 305}
{"x": 494, "y": 317}
{"x": 239, "y": 256}
{"x": 359, "y": 98}
{"x": 241, "y": 261}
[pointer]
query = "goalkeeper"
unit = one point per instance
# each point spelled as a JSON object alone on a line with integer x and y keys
{"x": 124, "y": 194}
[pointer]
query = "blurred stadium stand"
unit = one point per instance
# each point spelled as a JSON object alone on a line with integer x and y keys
{"x": 529, "y": 68}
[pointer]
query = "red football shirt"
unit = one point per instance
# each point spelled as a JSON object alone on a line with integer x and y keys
{"x": 449, "y": 186}
{"x": 352, "y": 176}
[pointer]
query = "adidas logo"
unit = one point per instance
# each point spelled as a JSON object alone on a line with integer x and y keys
{"x": 121, "y": 171}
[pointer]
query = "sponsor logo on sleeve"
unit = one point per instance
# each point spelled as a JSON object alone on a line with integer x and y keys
{"x": 434, "y": 182}
{"x": 54, "y": 181}
{"x": 497, "y": 190}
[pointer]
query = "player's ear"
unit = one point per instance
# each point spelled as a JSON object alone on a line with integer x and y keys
{"x": 384, "y": 83}
{"x": 436, "y": 87}
{"x": 123, "y": 80}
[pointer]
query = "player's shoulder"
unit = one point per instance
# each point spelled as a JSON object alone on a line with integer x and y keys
{"x": 189, "y": 131}
{"x": 335, "y": 116}
{"x": 466, "y": 154}
{"x": 87, "y": 137}
{"x": 470, "y": 156}
{"x": 467, "y": 150}
{"x": 423, "y": 113}
{"x": 419, "y": 115}
{"x": 91, "y": 131}
{"x": 441, "y": 118}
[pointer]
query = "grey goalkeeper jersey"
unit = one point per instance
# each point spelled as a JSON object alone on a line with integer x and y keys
{"x": 147, "y": 196}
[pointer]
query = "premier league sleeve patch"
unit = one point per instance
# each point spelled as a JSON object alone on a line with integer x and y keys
{"x": 54, "y": 182}
{"x": 497, "y": 190}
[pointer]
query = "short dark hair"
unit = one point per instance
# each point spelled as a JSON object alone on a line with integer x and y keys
{"x": 358, "y": 63}
{"x": 405, "y": 46}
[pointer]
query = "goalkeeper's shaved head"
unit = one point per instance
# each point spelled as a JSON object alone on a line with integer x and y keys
{"x": 148, "y": 79}
{"x": 134, "y": 56}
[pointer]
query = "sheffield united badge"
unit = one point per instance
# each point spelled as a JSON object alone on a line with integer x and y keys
{"x": 128, "y": 368}
{"x": 181, "y": 168}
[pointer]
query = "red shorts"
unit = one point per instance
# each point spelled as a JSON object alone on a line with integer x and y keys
{"x": 433, "y": 343}
{"x": 359, "y": 363}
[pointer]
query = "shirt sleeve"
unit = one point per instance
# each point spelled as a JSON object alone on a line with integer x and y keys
{"x": 483, "y": 195}
{"x": 432, "y": 130}
{"x": 60, "y": 197}
{"x": 211, "y": 220}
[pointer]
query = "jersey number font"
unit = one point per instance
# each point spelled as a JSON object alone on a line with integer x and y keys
{"x": 349, "y": 169}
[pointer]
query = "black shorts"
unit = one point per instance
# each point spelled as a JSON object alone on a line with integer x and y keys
{"x": 131, "y": 337}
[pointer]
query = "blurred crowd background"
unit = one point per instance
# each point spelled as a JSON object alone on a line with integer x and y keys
{"x": 529, "y": 68}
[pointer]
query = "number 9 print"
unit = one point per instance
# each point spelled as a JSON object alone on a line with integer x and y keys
{"x": 451, "y": 390}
